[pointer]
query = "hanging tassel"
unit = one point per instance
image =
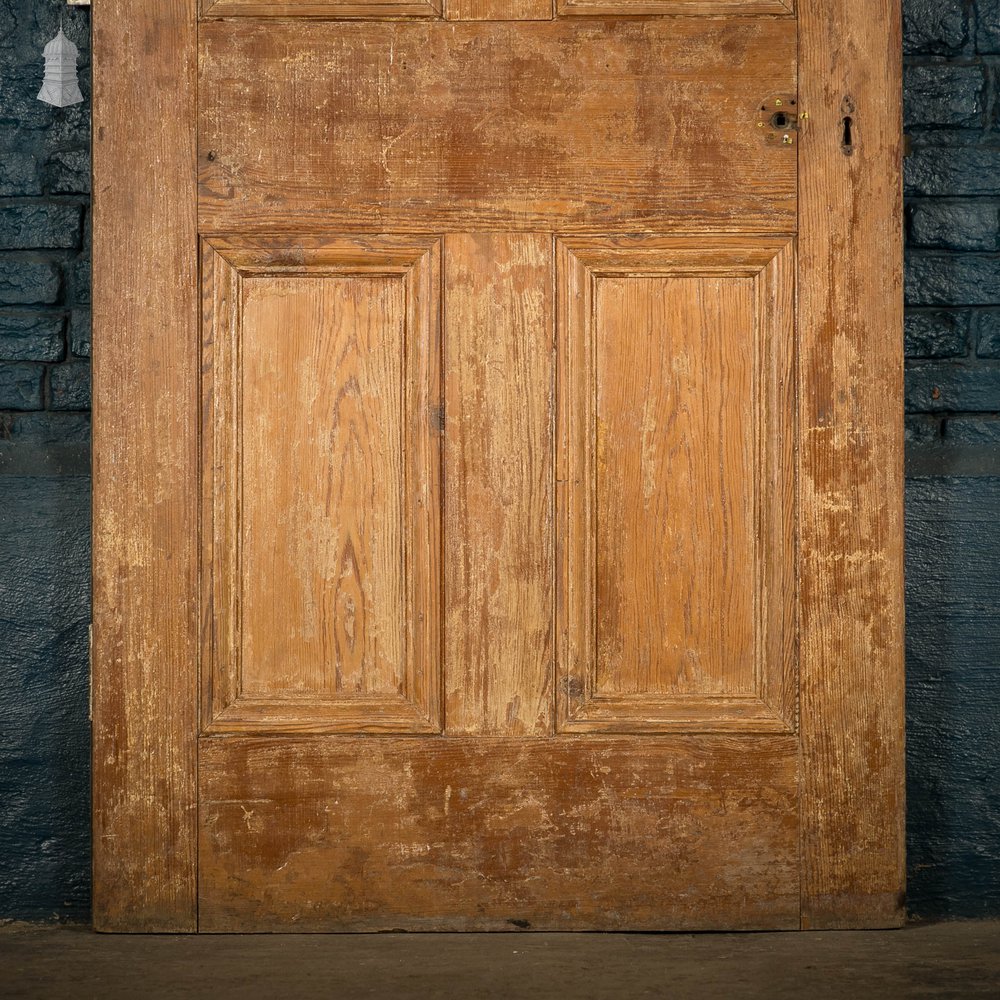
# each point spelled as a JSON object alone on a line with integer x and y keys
{"x": 60, "y": 86}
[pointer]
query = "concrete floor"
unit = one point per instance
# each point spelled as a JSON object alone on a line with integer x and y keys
{"x": 928, "y": 961}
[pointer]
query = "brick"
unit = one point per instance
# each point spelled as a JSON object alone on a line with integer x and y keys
{"x": 974, "y": 430}
{"x": 80, "y": 278}
{"x": 935, "y": 388}
{"x": 69, "y": 386}
{"x": 936, "y": 170}
{"x": 921, "y": 428}
{"x": 40, "y": 226}
{"x": 25, "y": 282}
{"x": 944, "y": 96}
{"x": 21, "y": 386}
{"x": 986, "y": 333}
{"x": 958, "y": 225}
{"x": 988, "y": 34}
{"x": 936, "y": 334}
{"x": 18, "y": 174}
{"x": 79, "y": 333}
{"x": 930, "y": 26}
{"x": 31, "y": 337}
{"x": 68, "y": 172}
{"x": 44, "y": 428}
{"x": 932, "y": 278}
{"x": 21, "y": 70}
{"x": 68, "y": 128}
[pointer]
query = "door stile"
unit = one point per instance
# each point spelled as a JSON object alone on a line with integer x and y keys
{"x": 850, "y": 321}
{"x": 145, "y": 467}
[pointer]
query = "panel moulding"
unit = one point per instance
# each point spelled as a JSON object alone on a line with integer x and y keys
{"x": 399, "y": 693}
{"x": 597, "y": 691}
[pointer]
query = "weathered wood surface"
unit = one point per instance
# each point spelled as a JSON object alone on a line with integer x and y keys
{"x": 565, "y": 125}
{"x": 703, "y": 8}
{"x": 493, "y": 834}
{"x": 145, "y": 455}
{"x": 498, "y": 466}
{"x": 501, "y": 143}
{"x": 675, "y": 504}
{"x": 498, "y": 10}
{"x": 321, "y": 8}
{"x": 488, "y": 10}
{"x": 851, "y": 466}
{"x": 322, "y": 472}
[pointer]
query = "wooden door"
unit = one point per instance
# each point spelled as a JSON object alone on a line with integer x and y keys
{"x": 497, "y": 465}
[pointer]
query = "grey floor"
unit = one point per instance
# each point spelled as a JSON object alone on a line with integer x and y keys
{"x": 932, "y": 961}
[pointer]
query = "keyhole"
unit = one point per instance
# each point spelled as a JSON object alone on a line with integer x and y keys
{"x": 848, "y": 142}
{"x": 780, "y": 120}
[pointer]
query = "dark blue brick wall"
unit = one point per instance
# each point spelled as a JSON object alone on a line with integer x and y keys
{"x": 44, "y": 733}
{"x": 44, "y": 202}
{"x": 44, "y": 475}
{"x": 952, "y": 63}
{"x": 952, "y": 338}
{"x": 953, "y": 695}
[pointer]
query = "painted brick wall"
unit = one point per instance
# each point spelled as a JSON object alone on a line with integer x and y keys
{"x": 952, "y": 112}
{"x": 44, "y": 474}
{"x": 44, "y": 234}
{"x": 952, "y": 60}
{"x": 953, "y": 457}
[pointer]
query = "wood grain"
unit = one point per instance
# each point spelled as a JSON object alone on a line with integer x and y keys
{"x": 498, "y": 10}
{"x": 498, "y": 505}
{"x": 694, "y": 8}
{"x": 322, "y": 499}
{"x": 851, "y": 467}
{"x": 495, "y": 834}
{"x": 675, "y": 510}
{"x": 601, "y": 190}
{"x": 368, "y": 9}
{"x": 674, "y": 436}
{"x": 323, "y": 484}
{"x": 622, "y": 126}
{"x": 145, "y": 455}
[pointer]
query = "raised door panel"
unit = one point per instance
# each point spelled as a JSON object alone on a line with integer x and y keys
{"x": 498, "y": 10}
{"x": 483, "y": 833}
{"x": 710, "y": 8}
{"x": 675, "y": 504}
{"x": 368, "y": 9}
{"x": 573, "y": 125}
{"x": 321, "y": 471}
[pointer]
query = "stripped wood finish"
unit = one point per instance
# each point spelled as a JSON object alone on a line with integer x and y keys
{"x": 629, "y": 125}
{"x": 498, "y": 10}
{"x": 367, "y": 9}
{"x": 476, "y": 833}
{"x": 546, "y": 447}
{"x": 705, "y": 8}
{"x": 145, "y": 467}
{"x": 498, "y": 462}
{"x": 851, "y": 462}
{"x": 322, "y": 379}
{"x": 675, "y": 510}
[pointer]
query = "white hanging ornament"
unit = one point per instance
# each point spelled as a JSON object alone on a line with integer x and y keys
{"x": 60, "y": 86}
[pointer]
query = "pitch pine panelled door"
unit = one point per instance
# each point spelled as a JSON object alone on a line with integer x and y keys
{"x": 497, "y": 464}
